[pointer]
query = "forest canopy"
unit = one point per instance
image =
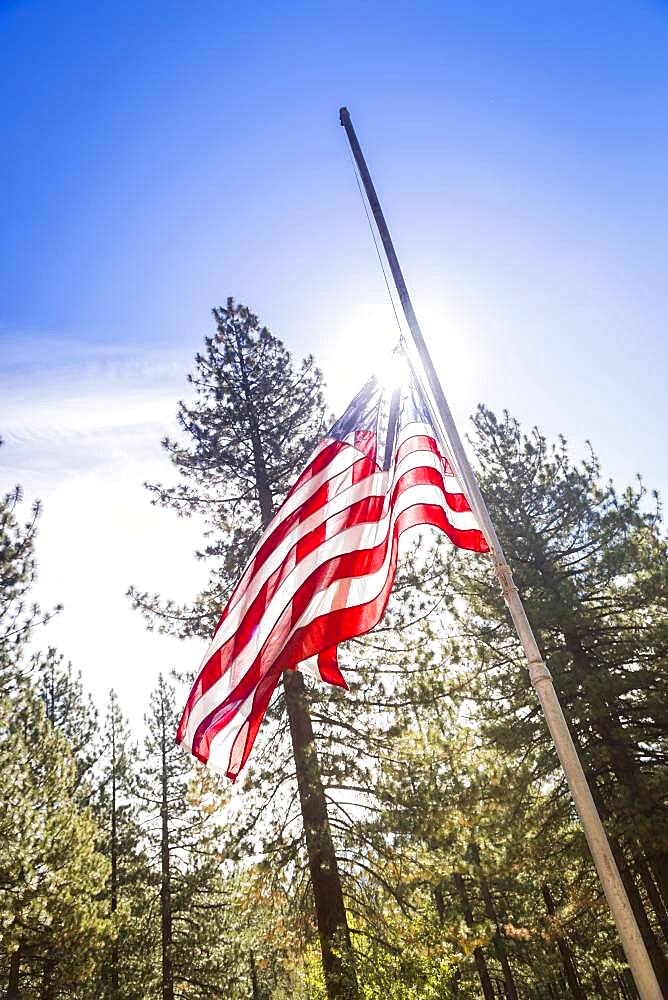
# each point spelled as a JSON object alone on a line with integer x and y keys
{"x": 425, "y": 806}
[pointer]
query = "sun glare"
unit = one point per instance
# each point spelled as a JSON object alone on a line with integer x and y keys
{"x": 361, "y": 347}
{"x": 393, "y": 371}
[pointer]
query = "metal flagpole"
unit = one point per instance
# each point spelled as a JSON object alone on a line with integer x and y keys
{"x": 541, "y": 679}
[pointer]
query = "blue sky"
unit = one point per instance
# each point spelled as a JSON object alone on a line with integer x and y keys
{"x": 160, "y": 156}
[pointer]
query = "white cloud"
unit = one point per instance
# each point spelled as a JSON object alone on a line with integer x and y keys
{"x": 85, "y": 444}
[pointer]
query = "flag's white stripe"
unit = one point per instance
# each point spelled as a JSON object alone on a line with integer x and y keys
{"x": 376, "y": 485}
{"x": 352, "y": 539}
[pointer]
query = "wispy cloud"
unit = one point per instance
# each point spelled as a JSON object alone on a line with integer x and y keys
{"x": 82, "y": 430}
{"x": 67, "y": 406}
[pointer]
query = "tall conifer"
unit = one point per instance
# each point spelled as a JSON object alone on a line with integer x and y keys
{"x": 127, "y": 969}
{"x": 592, "y": 567}
{"x": 51, "y": 915}
{"x": 18, "y": 613}
{"x": 255, "y": 419}
{"x": 51, "y": 920}
{"x": 189, "y": 897}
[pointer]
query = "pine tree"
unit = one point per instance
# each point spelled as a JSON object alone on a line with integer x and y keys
{"x": 459, "y": 827}
{"x": 17, "y": 574}
{"x": 251, "y": 428}
{"x": 127, "y": 969}
{"x": 71, "y": 711}
{"x": 591, "y": 565}
{"x": 53, "y": 922}
{"x": 190, "y": 891}
{"x": 162, "y": 788}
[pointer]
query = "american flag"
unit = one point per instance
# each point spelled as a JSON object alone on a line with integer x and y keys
{"x": 323, "y": 569}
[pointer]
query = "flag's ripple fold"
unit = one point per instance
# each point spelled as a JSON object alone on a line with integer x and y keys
{"x": 323, "y": 570}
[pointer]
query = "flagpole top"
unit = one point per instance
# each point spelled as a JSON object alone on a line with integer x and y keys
{"x": 344, "y": 115}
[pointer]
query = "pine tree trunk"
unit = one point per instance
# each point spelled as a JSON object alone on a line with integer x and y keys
{"x": 658, "y": 863}
{"x": 255, "y": 986}
{"x": 165, "y": 881}
{"x": 657, "y": 958}
{"x": 439, "y": 903}
{"x": 598, "y": 985}
{"x": 656, "y": 955}
{"x": 625, "y": 769}
{"x": 264, "y": 495}
{"x": 46, "y": 990}
{"x": 564, "y": 950}
{"x": 497, "y": 941}
{"x": 653, "y": 893}
{"x": 480, "y": 963}
{"x": 608, "y": 726}
{"x": 337, "y": 954}
{"x": 627, "y": 773}
{"x": 113, "y": 975}
{"x": 14, "y": 975}
{"x": 627, "y": 986}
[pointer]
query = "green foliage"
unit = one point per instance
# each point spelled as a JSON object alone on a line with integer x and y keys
{"x": 51, "y": 919}
{"x": 69, "y": 710}
{"x": 234, "y": 452}
{"x": 128, "y": 874}
{"x": 17, "y": 573}
{"x": 469, "y": 792}
{"x": 128, "y": 967}
{"x": 412, "y": 963}
{"x": 50, "y": 869}
{"x": 592, "y": 567}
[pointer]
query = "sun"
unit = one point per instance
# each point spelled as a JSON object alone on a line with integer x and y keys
{"x": 363, "y": 340}
{"x": 393, "y": 370}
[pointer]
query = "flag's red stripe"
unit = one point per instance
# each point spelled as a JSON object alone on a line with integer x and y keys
{"x": 328, "y": 665}
{"x": 367, "y": 510}
{"x": 347, "y": 565}
{"x": 245, "y": 738}
{"x": 320, "y": 462}
{"x": 327, "y": 630}
{"x": 317, "y": 500}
